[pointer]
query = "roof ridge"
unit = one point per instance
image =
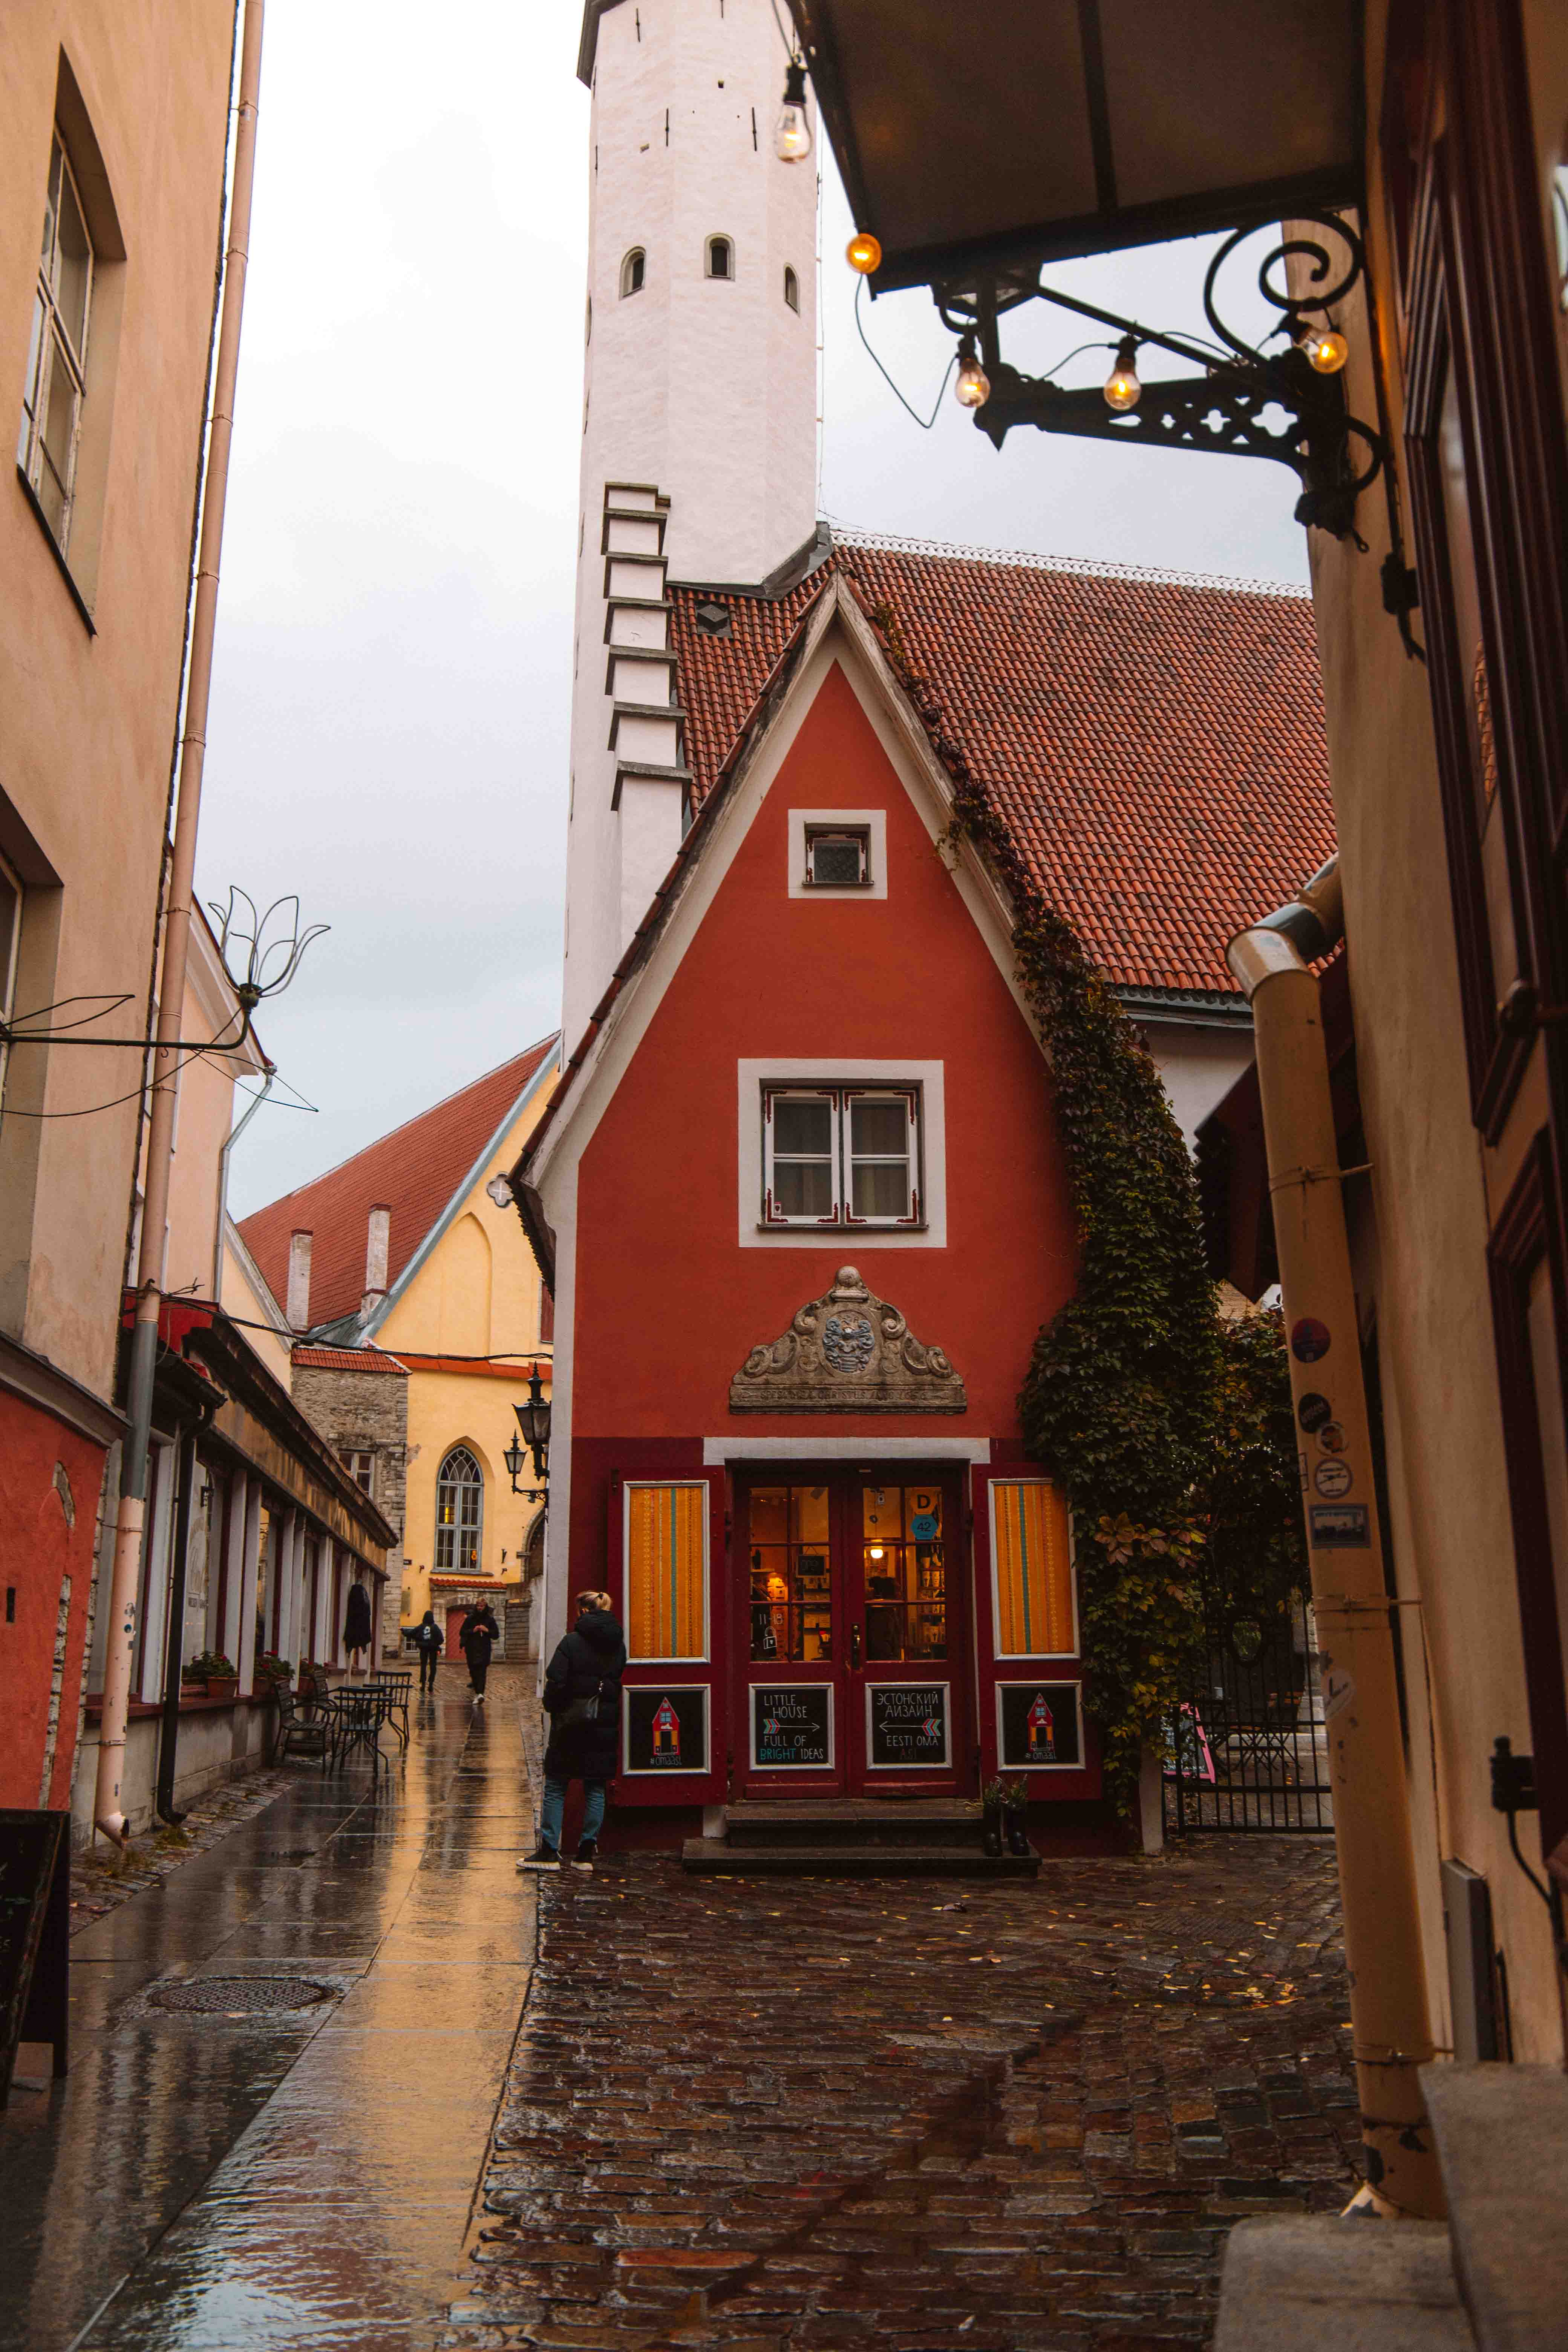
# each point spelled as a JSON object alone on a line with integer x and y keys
{"x": 1085, "y": 566}
{"x": 413, "y": 1120}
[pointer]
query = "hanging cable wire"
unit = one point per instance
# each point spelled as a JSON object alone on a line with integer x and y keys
{"x": 925, "y": 423}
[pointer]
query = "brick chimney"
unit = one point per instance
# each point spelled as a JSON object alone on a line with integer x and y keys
{"x": 378, "y": 1241}
{"x": 299, "y": 1306}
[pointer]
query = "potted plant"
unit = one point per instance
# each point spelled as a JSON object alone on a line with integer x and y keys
{"x": 272, "y": 1672}
{"x": 1015, "y": 1816}
{"x": 992, "y": 1800}
{"x": 211, "y": 1672}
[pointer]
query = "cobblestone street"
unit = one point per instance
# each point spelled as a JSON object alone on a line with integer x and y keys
{"x": 816, "y": 2113}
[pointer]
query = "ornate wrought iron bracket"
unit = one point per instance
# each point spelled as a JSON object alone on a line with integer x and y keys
{"x": 1244, "y": 402}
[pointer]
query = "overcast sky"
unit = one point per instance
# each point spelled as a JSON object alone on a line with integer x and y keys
{"x": 390, "y": 709}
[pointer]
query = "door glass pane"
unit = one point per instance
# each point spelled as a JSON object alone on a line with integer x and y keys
{"x": 1034, "y": 1569}
{"x": 666, "y": 1579}
{"x": 903, "y": 1563}
{"x": 790, "y": 1573}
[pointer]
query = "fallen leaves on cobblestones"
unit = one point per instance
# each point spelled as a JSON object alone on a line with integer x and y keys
{"x": 717, "y": 2135}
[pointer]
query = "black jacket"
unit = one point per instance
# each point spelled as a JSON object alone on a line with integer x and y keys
{"x": 429, "y": 1637}
{"x": 477, "y": 1634}
{"x": 356, "y": 1619}
{"x": 588, "y": 1663}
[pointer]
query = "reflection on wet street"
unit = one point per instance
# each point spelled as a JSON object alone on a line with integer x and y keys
{"x": 297, "y": 2176}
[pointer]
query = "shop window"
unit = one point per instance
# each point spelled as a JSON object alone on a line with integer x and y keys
{"x": 459, "y": 1513}
{"x": 841, "y": 1156}
{"x": 666, "y": 1571}
{"x": 1032, "y": 1566}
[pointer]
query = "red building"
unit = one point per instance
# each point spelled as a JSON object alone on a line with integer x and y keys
{"x": 799, "y": 1193}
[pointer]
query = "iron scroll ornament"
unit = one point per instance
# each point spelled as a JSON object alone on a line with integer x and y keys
{"x": 1226, "y": 407}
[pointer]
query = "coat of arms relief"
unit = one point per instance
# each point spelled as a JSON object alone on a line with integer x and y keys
{"x": 847, "y": 1351}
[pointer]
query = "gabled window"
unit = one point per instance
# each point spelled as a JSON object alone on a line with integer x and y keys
{"x": 55, "y": 381}
{"x": 721, "y": 258}
{"x": 791, "y": 288}
{"x": 633, "y": 269}
{"x": 459, "y": 1513}
{"x": 837, "y": 856}
{"x": 841, "y": 1156}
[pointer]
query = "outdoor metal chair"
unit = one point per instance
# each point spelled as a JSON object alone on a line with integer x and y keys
{"x": 397, "y": 1688}
{"x": 296, "y": 1730}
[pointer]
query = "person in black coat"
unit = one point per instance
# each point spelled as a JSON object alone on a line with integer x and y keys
{"x": 427, "y": 1642}
{"x": 478, "y": 1633}
{"x": 582, "y": 1700}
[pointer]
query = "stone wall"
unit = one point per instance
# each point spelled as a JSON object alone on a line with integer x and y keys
{"x": 366, "y": 1413}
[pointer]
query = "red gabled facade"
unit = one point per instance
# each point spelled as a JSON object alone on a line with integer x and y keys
{"x": 841, "y": 1635}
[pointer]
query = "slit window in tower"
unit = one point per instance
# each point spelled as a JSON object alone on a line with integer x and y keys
{"x": 791, "y": 288}
{"x": 721, "y": 258}
{"x": 632, "y": 271}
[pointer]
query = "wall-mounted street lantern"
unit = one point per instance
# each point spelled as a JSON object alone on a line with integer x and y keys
{"x": 533, "y": 1422}
{"x": 1241, "y": 400}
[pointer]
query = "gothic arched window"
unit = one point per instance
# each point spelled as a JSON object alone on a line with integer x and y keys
{"x": 459, "y": 1513}
{"x": 632, "y": 271}
{"x": 720, "y": 257}
{"x": 791, "y": 288}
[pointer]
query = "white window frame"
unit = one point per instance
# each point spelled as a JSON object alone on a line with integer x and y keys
{"x": 935, "y": 1681}
{"x": 454, "y": 1566}
{"x": 841, "y": 1099}
{"x": 752, "y": 1687}
{"x": 670, "y": 1689}
{"x": 55, "y": 348}
{"x": 700, "y": 1486}
{"x": 354, "y": 1456}
{"x": 873, "y": 823}
{"x": 1006, "y": 1478}
{"x": 751, "y": 1075}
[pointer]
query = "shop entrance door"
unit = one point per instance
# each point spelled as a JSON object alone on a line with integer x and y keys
{"x": 853, "y": 1675}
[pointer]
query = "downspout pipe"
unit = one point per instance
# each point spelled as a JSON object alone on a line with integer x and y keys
{"x": 108, "y": 1806}
{"x": 235, "y": 1133}
{"x": 174, "y": 1640}
{"x": 1372, "y": 1840}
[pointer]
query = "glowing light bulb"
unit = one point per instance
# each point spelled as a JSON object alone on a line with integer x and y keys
{"x": 1122, "y": 389}
{"x": 877, "y": 1551}
{"x": 863, "y": 252}
{"x": 791, "y": 132}
{"x": 972, "y": 385}
{"x": 1328, "y": 350}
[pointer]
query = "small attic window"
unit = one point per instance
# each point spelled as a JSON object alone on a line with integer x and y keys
{"x": 632, "y": 270}
{"x": 713, "y": 620}
{"x": 721, "y": 258}
{"x": 837, "y": 858}
{"x": 791, "y": 288}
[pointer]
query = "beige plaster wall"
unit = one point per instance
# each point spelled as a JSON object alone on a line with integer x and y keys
{"x": 243, "y": 1301}
{"x": 89, "y": 713}
{"x": 1419, "y": 1227}
{"x": 476, "y": 1294}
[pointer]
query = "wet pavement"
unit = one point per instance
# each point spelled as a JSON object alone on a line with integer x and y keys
{"x": 754, "y": 2115}
{"x": 764, "y": 2115}
{"x": 303, "y": 2177}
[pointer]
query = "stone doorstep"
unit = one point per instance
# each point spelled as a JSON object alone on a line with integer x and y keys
{"x": 1298, "y": 2285}
{"x": 1502, "y": 2142}
{"x": 857, "y": 1861}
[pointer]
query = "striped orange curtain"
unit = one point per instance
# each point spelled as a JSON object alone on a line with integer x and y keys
{"x": 1034, "y": 1569}
{"x": 666, "y": 1602}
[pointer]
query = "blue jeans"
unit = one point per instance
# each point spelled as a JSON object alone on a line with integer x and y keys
{"x": 554, "y": 1805}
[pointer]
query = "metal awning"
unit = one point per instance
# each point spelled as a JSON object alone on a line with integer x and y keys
{"x": 1038, "y": 130}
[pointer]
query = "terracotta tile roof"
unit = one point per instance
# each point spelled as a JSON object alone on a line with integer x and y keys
{"x": 347, "y": 1360}
{"x": 414, "y": 1172}
{"x": 1155, "y": 742}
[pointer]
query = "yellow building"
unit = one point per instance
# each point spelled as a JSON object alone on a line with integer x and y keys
{"x": 420, "y": 1316}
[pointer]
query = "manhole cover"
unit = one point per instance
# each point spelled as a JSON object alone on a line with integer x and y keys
{"x": 240, "y": 1996}
{"x": 287, "y": 1853}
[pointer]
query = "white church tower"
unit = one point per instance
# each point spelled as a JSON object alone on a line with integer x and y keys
{"x": 698, "y": 415}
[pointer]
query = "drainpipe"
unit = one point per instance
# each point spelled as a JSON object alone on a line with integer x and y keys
{"x": 270, "y": 1072}
{"x": 174, "y": 1640}
{"x": 1372, "y": 1838}
{"x": 108, "y": 1811}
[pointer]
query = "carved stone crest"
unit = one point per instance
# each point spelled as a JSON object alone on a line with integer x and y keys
{"x": 846, "y": 1353}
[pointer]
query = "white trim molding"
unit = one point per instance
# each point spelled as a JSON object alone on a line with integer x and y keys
{"x": 873, "y": 821}
{"x": 751, "y": 1075}
{"x": 718, "y": 1451}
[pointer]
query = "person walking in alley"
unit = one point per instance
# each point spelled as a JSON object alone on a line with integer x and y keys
{"x": 479, "y": 1634}
{"x": 582, "y": 1700}
{"x": 427, "y": 1642}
